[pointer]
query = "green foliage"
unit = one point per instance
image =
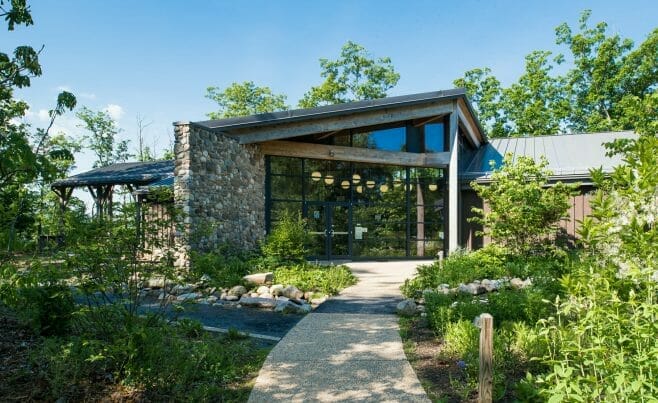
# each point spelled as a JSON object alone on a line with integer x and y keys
{"x": 103, "y": 137}
{"x": 39, "y": 295}
{"x": 354, "y": 76}
{"x": 524, "y": 210}
{"x": 288, "y": 239}
{"x": 167, "y": 363}
{"x": 459, "y": 267}
{"x": 607, "y": 76}
{"x": 226, "y": 265}
{"x": 602, "y": 339}
{"x": 326, "y": 279}
{"x": 244, "y": 99}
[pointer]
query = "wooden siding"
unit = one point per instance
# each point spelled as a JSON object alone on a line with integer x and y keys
{"x": 569, "y": 226}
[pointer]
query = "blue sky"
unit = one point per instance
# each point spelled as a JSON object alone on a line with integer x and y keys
{"x": 155, "y": 58}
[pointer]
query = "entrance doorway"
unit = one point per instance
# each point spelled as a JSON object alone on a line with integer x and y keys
{"x": 329, "y": 225}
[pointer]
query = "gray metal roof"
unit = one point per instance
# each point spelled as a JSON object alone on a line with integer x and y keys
{"x": 127, "y": 173}
{"x": 336, "y": 110}
{"x": 568, "y": 155}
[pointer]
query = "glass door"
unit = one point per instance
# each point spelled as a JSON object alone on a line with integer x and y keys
{"x": 329, "y": 229}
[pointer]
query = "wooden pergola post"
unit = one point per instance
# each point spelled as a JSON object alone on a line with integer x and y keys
{"x": 64, "y": 194}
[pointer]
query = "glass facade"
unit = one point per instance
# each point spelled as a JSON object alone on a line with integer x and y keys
{"x": 358, "y": 210}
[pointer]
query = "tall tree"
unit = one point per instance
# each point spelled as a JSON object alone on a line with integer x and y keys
{"x": 26, "y": 157}
{"x": 102, "y": 139}
{"x": 593, "y": 95}
{"x": 244, "y": 99}
{"x": 354, "y": 76}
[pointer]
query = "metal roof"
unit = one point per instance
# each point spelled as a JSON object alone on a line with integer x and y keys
{"x": 336, "y": 110}
{"x": 568, "y": 155}
{"x": 126, "y": 173}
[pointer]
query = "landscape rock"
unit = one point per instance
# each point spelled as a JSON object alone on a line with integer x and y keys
{"x": 517, "y": 283}
{"x": 318, "y": 301}
{"x": 258, "y": 302}
{"x": 232, "y": 298}
{"x": 292, "y": 292}
{"x": 253, "y": 294}
{"x": 276, "y": 290}
{"x": 205, "y": 278}
{"x": 282, "y": 298}
{"x": 223, "y": 295}
{"x": 182, "y": 289}
{"x": 237, "y": 291}
{"x": 211, "y": 299}
{"x": 406, "y": 307}
{"x": 263, "y": 289}
{"x": 267, "y": 296}
{"x": 259, "y": 278}
{"x": 188, "y": 296}
{"x": 290, "y": 307}
{"x": 155, "y": 282}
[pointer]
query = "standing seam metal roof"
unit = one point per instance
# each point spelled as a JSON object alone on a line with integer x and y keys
{"x": 567, "y": 154}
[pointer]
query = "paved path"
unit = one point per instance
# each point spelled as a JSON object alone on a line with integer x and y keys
{"x": 349, "y": 349}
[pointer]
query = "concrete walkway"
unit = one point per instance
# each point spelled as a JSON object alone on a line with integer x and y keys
{"x": 349, "y": 349}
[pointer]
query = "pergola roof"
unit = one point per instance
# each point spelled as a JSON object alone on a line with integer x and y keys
{"x": 570, "y": 156}
{"x": 127, "y": 173}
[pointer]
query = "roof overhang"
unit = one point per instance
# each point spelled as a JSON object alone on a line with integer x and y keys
{"x": 332, "y": 118}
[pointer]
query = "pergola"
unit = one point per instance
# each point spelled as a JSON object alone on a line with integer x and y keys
{"x": 102, "y": 181}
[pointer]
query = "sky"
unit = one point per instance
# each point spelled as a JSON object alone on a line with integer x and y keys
{"x": 155, "y": 58}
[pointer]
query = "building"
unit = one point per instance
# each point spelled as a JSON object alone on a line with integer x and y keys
{"x": 382, "y": 178}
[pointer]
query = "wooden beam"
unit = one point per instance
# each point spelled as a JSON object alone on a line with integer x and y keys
{"x": 469, "y": 123}
{"x": 453, "y": 186}
{"x": 329, "y": 124}
{"x": 421, "y": 122}
{"x": 342, "y": 153}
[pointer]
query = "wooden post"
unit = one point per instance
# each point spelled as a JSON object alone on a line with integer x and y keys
{"x": 485, "y": 388}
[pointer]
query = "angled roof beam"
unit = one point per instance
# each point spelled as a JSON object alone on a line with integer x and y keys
{"x": 336, "y": 123}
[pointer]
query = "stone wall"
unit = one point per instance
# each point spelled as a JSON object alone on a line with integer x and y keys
{"x": 220, "y": 187}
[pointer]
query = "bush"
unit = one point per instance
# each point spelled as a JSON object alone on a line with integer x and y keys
{"x": 38, "y": 295}
{"x": 166, "y": 363}
{"x": 226, "y": 265}
{"x": 326, "y": 279}
{"x": 287, "y": 240}
{"x": 459, "y": 267}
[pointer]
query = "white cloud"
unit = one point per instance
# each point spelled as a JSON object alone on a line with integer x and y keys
{"x": 43, "y": 115}
{"x": 115, "y": 111}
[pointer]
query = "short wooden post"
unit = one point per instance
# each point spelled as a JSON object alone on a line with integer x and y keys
{"x": 485, "y": 388}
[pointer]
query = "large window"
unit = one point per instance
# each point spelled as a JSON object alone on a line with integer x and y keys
{"x": 360, "y": 210}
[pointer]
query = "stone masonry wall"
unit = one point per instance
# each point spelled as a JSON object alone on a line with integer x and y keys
{"x": 220, "y": 187}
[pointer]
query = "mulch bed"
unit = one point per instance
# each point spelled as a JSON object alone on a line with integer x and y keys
{"x": 440, "y": 378}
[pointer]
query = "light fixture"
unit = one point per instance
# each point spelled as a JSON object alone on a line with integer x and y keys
{"x": 433, "y": 187}
{"x": 329, "y": 179}
{"x": 383, "y": 188}
{"x": 370, "y": 184}
{"x": 356, "y": 178}
{"x": 359, "y": 189}
{"x": 316, "y": 176}
{"x": 397, "y": 183}
{"x": 345, "y": 184}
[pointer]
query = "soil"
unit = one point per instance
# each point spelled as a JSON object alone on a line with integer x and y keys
{"x": 441, "y": 379}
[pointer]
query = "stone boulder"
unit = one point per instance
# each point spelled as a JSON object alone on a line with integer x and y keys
{"x": 182, "y": 289}
{"x": 188, "y": 296}
{"x": 237, "y": 291}
{"x": 263, "y": 289}
{"x": 259, "y": 278}
{"x": 292, "y": 292}
{"x": 406, "y": 308}
{"x": 258, "y": 302}
{"x": 290, "y": 307}
{"x": 277, "y": 290}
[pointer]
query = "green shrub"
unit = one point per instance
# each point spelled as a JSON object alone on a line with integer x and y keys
{"x": 288, "y": 239}
{"x": 167, "y": 363}
{"x": 225, "y": 268}
{"x": 327, "y": 279}
{"x": 39, "y": 296}
{"x": 459, "y": 267}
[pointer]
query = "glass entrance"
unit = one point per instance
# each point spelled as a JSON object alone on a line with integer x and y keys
{"x": 329, "y": 229}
